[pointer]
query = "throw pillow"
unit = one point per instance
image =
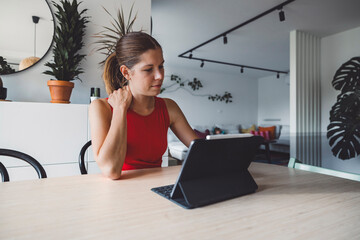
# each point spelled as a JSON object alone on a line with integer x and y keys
{"x": 264, "y": 134}
{"x": 202, "y": 134}
{"x": 270, "y": 129}
{"x": 248, "y": 130}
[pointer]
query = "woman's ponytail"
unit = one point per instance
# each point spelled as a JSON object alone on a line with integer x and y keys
{"x": 112, "y": 75}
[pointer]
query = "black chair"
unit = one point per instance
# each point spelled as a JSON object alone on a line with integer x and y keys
{"x": 12, "y": 153}
{"x": 4, "y": 173}
{"x": 82, "y": 167}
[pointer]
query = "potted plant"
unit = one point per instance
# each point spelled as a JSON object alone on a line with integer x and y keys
{"x": 5, "y": 68}
{"x": 68, "y": 41}
{"x": 108, "y": 38}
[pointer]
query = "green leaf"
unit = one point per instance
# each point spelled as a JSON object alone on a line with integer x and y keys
{"x": 112, "y": 34}
{"x": 68, "y": 41}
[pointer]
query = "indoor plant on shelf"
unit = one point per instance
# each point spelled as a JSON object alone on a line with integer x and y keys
{"x": 68, "y": 40}
{"x": 5, "y": 68}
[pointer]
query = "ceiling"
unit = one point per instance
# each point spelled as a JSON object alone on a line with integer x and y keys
{"x": 182, "y": 25}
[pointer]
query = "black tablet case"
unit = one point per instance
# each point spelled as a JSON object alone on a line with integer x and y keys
{"x": 215, "y": 170}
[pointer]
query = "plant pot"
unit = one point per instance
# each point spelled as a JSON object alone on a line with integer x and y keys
{"x": 60, "y": 91}
{"x": 3, "y": 93}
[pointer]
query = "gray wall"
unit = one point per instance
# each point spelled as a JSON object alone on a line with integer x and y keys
{"x": 201, "y": 111}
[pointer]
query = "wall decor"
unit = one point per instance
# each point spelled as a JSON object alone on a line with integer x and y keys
{"x": 108, "y": 38}
{"x": 22, "y": 39}
{"x": 343, "y": 132}
{"x": 69, "y": 33}
{"x": 195, "y": 85}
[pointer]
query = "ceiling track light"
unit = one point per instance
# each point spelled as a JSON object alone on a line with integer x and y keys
{"x": 242, "y": 70}
{"x": 202, "y": 64}
{"x": 223, "y": 35}
{"x": 281, "y": 15}
{"x": 225, "y": 39}
{"x": 35, "y": 19}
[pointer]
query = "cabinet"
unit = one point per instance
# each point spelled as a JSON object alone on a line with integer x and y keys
{"x": 51, "y": 133}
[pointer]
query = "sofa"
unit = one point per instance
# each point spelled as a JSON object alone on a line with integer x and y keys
{"x": 177, "y": 150}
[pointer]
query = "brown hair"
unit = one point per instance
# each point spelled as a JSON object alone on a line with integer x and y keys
{"x": 128, "y": 50}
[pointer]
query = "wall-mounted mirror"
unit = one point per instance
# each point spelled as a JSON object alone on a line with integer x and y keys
{"x": 27, "y": 30}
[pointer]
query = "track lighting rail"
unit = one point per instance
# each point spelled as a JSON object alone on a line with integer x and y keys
{"x": 278, "y": 7}
{"x": 234, "y": 64}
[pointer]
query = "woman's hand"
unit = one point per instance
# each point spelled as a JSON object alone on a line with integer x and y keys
{"x": 121, "y": 98}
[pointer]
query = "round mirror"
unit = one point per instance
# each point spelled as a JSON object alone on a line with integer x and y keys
{"x": 27, "y": 31}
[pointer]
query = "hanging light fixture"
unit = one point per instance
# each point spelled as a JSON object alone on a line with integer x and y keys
{"x": 242, "y": 70}
{"x": 278, "y": 75}
{"x": 281, "y": 15}
{"x": 190, "y": 55}
{"x": 29, "y": 61}
{"x": 202, "y": 63}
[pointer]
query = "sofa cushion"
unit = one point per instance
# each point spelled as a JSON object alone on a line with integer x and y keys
{"x": 177, "y": 150}
{"x": 270, "y": 129}
{"x": 179, "y": 146}
{"x": 202, "y": 135}
{"x": 278, "y": 128}
{"x": 248, "y": 130}
{"x": 264, "y": 134}
{"x": 228, "y": 128}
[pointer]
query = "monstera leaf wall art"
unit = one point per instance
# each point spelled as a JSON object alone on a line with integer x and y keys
{"x": 343, "y": 131}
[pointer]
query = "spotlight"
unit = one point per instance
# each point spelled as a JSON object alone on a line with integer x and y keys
{"x": 202, "y": 64}
{"x": 225, "y": 39}
{"x": 35, "y": 19}
{"x": 242, "y": 70}
{"x": 281, "y": 15}
{"x": 190, "y": 55}
{"x": 278, "y": 75}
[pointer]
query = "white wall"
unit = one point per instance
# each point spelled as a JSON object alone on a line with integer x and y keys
{"x": 336, "y": 50}
{"x": 201, "y": 111}
{"x": 274, "y": 97}
{"x": 31, "y": 84}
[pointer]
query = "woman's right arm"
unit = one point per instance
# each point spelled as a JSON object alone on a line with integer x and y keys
{"x": 109, "y": 132}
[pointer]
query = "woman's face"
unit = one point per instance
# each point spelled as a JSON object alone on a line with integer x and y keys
{"x": 147, "y": 76}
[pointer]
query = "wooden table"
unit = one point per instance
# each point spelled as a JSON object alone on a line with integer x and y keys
{"x": 290, "y": 204}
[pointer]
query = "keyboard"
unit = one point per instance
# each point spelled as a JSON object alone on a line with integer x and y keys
{"x": 164, "y": 191}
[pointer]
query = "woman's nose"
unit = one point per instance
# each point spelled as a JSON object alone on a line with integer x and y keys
{"x": 159, "y": 74}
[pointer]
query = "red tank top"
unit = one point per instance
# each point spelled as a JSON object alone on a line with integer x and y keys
{"x": 146, "y": 137}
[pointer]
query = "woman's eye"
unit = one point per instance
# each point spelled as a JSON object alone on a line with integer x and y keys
{"x": 148, "y": 70}
{"x": 161, "y": 66}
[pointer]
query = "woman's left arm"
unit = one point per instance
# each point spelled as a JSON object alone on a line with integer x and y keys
{"x": 178, "y": 123}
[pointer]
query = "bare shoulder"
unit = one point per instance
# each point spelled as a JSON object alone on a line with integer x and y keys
{"x": 174, "y": 110}
{"x": 170, "y": 104}
{"x": 99, "y": 106}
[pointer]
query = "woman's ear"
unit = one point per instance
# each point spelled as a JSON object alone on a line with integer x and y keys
{"x": 125, "y": 71}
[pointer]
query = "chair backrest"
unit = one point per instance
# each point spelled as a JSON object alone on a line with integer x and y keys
{"x": 82, "y": 165}
{"x": 294, "y": 163}
{"x": 27, "y": 158}
{"x": 4, "y": 173}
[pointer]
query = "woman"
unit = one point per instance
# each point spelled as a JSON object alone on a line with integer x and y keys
{"x": 129, "y": 129}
